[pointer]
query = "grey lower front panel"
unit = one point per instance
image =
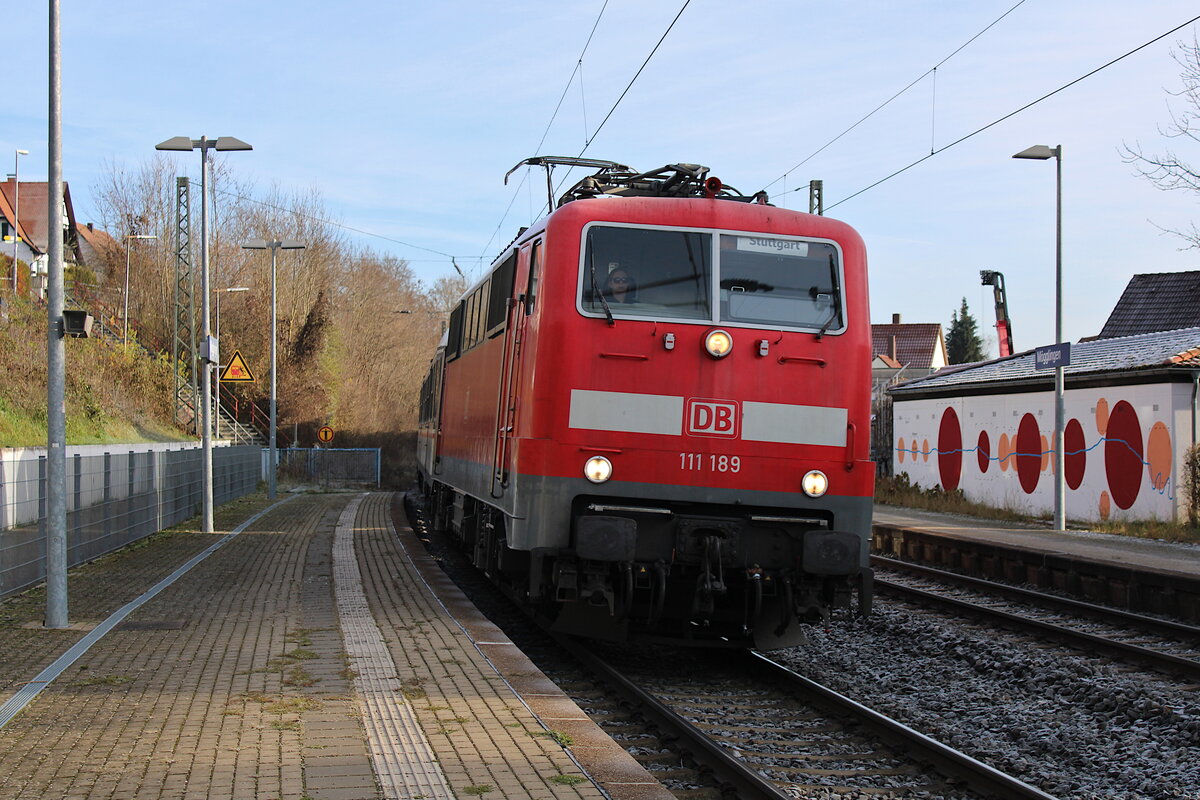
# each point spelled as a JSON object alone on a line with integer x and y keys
{"x": 539, "y": 509}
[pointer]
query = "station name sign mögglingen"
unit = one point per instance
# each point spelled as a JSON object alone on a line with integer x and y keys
{"x": 1052, "y": 355}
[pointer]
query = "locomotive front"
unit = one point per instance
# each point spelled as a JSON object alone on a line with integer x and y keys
{"x": 703, "y": 398}
{"x": 660, "y": 427}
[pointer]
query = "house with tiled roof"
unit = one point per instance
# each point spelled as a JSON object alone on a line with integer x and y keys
{"x": 1158, "y": 301}
{"x": 13, "y": 239}
{"x": 98, "y": 250}
{"x": 32, "y": 217}
{"x": 917, "y": 348}
{"x": 1132, "y": 412}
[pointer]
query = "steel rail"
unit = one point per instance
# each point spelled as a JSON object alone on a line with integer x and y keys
{"x": 744, "y": 782}
{"x": 1162, "y": 627}
{"x": 980, "y": 776}
{"x": 1167, "y": 662}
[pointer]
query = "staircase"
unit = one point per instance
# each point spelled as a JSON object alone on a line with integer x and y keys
{"x": 107, "y": 325}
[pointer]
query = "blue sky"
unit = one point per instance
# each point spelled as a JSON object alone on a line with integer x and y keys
{"x": 405, "y": 117}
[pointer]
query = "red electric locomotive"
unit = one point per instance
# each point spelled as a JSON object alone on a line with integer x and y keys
{"x": 651, "y": 418}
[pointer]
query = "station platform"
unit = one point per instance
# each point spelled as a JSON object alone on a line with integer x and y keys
{"x": 313, "y": 652}
{"x": 1139, "y": 574}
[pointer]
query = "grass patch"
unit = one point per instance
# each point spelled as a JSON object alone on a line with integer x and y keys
{"x": 563, "y": 739}
{"x": 286, "y": 726}
{"x": 299, "y": 676}
{"x": 300, "y": 654}
{"x": 113, "y": 394}
{"x": 478, "y": 789}
{"x": 899, "y": 491}
{"x": 1150, "y": 529}
{"x": 412, "y": 689}
{"x": 291, "y": 705}
{"x": 302, "y": 637}
{"x": 568, "y": 780}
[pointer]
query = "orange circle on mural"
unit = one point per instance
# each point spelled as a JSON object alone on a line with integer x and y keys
{"x": 1158, "y": 455}
{"x": 900, "y": 449}
{"x": 1101, "y": 416}
{"x": 1045, "y": 454}
{"x": 1002, "y": 452}
{"x": 1105, "y": 506}
{"x": 925, "y": 450}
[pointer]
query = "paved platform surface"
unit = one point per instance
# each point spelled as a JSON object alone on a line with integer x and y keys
{"x": 1148, "y": 554}
{"x": 319, "y": 654}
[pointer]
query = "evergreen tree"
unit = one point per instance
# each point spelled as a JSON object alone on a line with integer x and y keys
{"x": 963, "y": 343}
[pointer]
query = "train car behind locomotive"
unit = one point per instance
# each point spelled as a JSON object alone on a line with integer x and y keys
{"x": 651, "y": 418}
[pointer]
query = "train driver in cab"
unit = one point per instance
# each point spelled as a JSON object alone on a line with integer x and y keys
{"x": 621, "y": 287}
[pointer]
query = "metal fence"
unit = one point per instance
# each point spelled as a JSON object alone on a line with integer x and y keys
{"x": 113, "y": 498}
{"x": 331, "y": 466}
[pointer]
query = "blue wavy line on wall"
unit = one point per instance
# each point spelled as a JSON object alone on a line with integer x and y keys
{"x": 1102, "y": 440}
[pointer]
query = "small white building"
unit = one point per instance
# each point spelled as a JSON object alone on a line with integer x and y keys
{"x": 1132, "y": 407}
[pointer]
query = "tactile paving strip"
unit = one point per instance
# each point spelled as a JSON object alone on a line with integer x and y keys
{"x": 403, "y": 760}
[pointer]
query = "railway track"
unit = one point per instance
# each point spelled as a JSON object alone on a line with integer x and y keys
{"x": 1163, "y": 645}
{"x": 766, "y": 732}
{"x": 698, "y": 756}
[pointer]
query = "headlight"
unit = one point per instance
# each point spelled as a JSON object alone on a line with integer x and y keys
{"x": 598, "y": 469}
{"x": 718, "y": 343}
{"x": 815, "y": 483}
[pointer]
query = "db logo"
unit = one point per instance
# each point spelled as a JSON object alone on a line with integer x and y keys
{"x": 713, "y": 418}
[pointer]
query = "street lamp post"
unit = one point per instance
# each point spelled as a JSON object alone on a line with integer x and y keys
{"x": 204, "y": 144}
{"x": 217, "y": 419}
{"x": 125, "y": 299}
{"x": 1041, "y": 153}
{"x": 16, "y": 234}
{"x": 274, "y": 247}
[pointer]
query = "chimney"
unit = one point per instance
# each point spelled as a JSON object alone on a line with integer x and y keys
{"x": 89, "y": 226}
{"x": 895, "y": 319}
{"x": 895, "y": 351}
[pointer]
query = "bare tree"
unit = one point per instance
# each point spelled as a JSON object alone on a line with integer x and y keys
{"x": 1168, "y": 170}
{"x": 356, "y": 330}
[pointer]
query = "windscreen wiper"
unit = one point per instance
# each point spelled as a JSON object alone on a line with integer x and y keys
{"x": 596, "y": 289}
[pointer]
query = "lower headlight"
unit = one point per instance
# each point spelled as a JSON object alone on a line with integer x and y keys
{"x": 718, "y": 343}
{"x": 598, "y": 469}
{"x": 815, "y": 483}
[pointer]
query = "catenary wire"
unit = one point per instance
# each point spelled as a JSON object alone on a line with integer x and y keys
{"x": 887, "y": 102}
{"x": 629, "y": 86}
{"x": 1011, "y": 114}
{"x": 546, "y": 132}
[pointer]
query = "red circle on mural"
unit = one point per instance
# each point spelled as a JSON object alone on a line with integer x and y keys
{"x": 1029, "y": 453}
{"x": 983, "y": 451}
{"x": 1123, "y": 454}
{"x": 1074, "y": 454}
{"x": 949, "y": 450}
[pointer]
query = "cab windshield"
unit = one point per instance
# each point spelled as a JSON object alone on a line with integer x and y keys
{"x": 642, "y": 272}
{"x": 759, "y": 281}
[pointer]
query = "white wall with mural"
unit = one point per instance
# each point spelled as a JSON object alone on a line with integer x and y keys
{"x": 1123, "y": 449}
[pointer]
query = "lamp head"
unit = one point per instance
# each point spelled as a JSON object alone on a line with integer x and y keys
{"x": 22, "y": 152}
{"x": 175, "y": 143}
{"x": 255, "y": 244}
{"x": 230, "y": 143}
{"x": 1039, "y": 152}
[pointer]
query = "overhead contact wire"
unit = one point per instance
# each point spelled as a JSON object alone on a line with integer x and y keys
{"x": 545, "y": 133}
{"x": 1012, "y": 114}
{"x": 887, "y": 102}
{"x": 629, "y": 86}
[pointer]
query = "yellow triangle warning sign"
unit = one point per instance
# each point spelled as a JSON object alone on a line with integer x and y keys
{"x": 236, "y": 370}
